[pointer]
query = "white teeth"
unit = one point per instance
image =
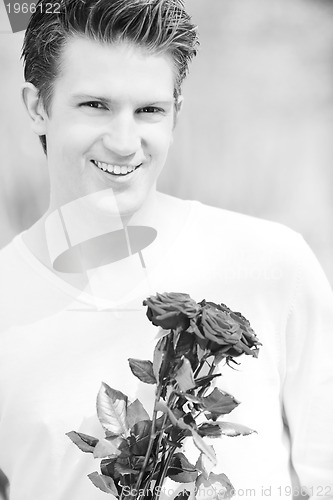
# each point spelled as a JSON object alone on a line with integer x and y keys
{"x": 114, "y": 169}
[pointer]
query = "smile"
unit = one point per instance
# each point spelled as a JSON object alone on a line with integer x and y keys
{"x": 119, "y": 170}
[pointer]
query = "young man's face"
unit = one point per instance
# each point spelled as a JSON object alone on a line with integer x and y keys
{"x": 110, "y": 124}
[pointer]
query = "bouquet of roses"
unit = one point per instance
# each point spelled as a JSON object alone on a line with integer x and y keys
{"x": 139, "y": 452}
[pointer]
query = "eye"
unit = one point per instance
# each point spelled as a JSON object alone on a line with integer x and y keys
{"x": 93, "y": 105}
{"x": 151, "y": 110}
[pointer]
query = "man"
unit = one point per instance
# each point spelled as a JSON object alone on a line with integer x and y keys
{"x": 103, "y": 92}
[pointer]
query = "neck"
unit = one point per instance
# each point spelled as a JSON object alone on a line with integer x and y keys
{"x": 162, "y": 216}
{"x": 80, "y": 221}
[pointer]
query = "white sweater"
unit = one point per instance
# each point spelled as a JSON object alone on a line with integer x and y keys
{"x": 58, "y": 343}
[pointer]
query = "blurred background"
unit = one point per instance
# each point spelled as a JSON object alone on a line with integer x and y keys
{"x": 255, "y": 132}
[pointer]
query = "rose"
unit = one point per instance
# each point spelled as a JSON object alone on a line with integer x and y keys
{"x": 171, "y": 310}
{"x": 223, "y": 332}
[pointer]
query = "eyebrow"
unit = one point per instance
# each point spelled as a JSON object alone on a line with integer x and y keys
{"x": 106, "y": 100}
{"x": 88, "y": 97}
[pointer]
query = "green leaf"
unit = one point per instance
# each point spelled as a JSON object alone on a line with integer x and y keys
{"x": 139, "y": 438}
{"x": 211, "y": 430}
{"x": 183, "y": 495}
{"x": 230, "y": 429}
{"x": 135, "y": 413}
{"x": 181, "y": 470}
{"x": 219, "y": 403}
{"x": 124, "y": 469}
{"x": 184, "y": 376}
{"x": 107, "y": 467}
{"x": 219, "y": 356}
{"x": 159, "y": 406}
{"x": 111, "y": 410}
{"x": 104, "y": 483}
{"x": 204, "y": 464}
{"x": 83, "y": 441}
{"x": 143, "y": 370}
{"x": 217, "y": 486}
{"x": 125, "y": 449}
{"x": 115, "y": 440}
{"x": 105, "y": 449}
{"x": 163, "y": 358}
{"x": 127, "y": 475}
{"x": 201, "y": 353}
{"x": 204, "y": 447}
{"x": 185, "y": 344}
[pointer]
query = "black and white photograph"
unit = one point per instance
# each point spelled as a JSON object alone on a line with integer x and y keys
{"x": 166, "y": 249}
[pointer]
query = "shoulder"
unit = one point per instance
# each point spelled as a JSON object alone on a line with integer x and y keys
{"x": 210, "y": 227}
{"x": 253, "y": 232}
{"x": 19, "y": 279}
{"x": 14, "y": 264}
{"x": 13, "y": 281}
{"x": 238, "y": 220}
{"x": 9, "y": 254}
{"x": 267, "y": 254}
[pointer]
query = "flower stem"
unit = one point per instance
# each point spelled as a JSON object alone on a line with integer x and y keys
{"x": 161, "y": 479}
{"x": 210, "y": 372}
{"x": 151, "y": 440}
{"x": 201, "y": 365}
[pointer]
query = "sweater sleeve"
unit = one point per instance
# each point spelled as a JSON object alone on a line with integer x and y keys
{"x": 308, "y": 384}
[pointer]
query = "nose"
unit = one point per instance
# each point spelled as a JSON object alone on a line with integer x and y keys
{"x": 122, "y": 136}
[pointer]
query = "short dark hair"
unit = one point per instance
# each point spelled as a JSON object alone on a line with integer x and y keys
{"x": 160, "y": 26}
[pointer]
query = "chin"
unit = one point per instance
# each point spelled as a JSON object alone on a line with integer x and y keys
{"x": 113, "y": 206}
{"x": 104, "y": 203}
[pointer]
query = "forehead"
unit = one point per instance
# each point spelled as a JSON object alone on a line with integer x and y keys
{"x": 120, "y": 70}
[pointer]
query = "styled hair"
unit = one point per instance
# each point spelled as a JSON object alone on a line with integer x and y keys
{"x": 159, "y": 26}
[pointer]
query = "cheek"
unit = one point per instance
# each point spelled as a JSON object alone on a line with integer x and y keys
{"x": 161, "y": 139}
{"x": 68, "y": 141}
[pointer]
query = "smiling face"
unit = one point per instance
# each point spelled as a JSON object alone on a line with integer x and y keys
{"x": 110, "y": 123}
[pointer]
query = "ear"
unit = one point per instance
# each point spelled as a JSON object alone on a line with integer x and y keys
{"x": 179, "y": 103}
{"x": 35, "y": 108}
{"x": 178, "y": 107}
